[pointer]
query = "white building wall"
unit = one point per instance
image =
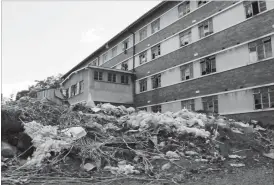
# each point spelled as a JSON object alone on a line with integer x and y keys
{"x": 170, "y": 77}
{"x": 236, "y": 102}
{"x": 173, "y": 107}
{"x": 233, "y": 58}
{"x": 272, "y": 43}
{"x": 130, "y": 64}
{"x": 196, "y": 69}
{"x": 169, "y": 17}
{"x": 170, "y": 45}
{"x": 269, "y": 4}
{"x": 229, "y": 18}
{"x": 194, "y": 34}
{"x": 198, "y": 104}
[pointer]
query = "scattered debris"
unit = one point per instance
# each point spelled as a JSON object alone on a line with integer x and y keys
{"x": 124, "y": 141}
{"x": 237, "y": 165}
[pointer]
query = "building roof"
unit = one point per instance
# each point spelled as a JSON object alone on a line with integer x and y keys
{"x": 96, "y": 67}
{"x": 116, "y": 36}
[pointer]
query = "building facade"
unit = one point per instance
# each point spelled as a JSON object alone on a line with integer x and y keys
{"x": 101, "y": 85}
{"x": 201, "y": 55}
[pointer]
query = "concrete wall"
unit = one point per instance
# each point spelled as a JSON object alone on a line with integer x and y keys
{"x": 229, "y": 18}
{"x": 104, "y": 91}
{"x": 236, "y": 102}
{"x": 49, "y": 94}
{"x": 74, "y": 79}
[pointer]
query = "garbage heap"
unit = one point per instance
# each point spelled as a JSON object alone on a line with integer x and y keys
{"x": 123, "y": 141}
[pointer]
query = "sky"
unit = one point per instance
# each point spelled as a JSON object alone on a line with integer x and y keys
{"x": 43, "y": 38}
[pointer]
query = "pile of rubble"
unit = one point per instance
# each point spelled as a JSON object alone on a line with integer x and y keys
{"x": 123, "y": 141}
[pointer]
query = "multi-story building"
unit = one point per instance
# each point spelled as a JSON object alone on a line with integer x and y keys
{"x": 201, "y": 55}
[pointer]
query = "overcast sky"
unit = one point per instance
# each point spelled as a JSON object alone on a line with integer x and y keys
{"x": 44, "y": 38}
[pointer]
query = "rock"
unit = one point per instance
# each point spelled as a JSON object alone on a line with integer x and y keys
{"x": 88, "y": 167}
{"x": 269, "y": 155}
{"x": 7, "y": 150}
{"x": 166, "y": 166}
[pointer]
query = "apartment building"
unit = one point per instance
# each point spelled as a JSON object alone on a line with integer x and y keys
{"x": 201, "y": 55}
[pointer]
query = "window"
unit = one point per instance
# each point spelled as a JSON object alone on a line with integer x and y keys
{"x": 263, "y": 97}
{"x": 143, "y": 85}
{"x": 143, "y": 57}
{"x": 124, "y": 66}
{"x": 200, "y": 3}
{"x": 156, "y": 51}
{"x": 124, "y": 79}
{"x": 65, "y": 92}
{"x": 185, "y": 38}
{"x": 184, "y": 8}
{"x": 188, "y": 104}
{"x": 156, "y": 108}
{"x": 111, "y": 77}
{"x": 105, "y": 56}
{"x": 208, "y": 65}
{"x": 143, "y": 33}
{"x": 210, "y": 104}
{"x": 187, "y": 71}
{"x": 155, "y": 26}
{"x": 77, "y": 89}
{"x": 260, "y": 49}
{"x": 254, "y": 7}
{"x": 98, "y": 75}
{"x": 156, "y": 81}
{"x": 114, "y": 51}
{"x": 125, "y": 45}
{"x": 81, "y": 86}
{"x": 73, "y": 90}
{"x": 206, "y": 28}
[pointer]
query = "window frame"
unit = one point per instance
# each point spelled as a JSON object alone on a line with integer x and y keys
{"x": 143, "y": 85}
{"x": 250, "y": 4}
{"x": 183, "y": 35}
{"x": 81, "y": 86}
{"x": 214, "y": 102}
{"x": 188, "y": 104}
{"x": 183, "y": 70}
{"x": 73, "y": 90}
{"x": 156, "y": 48}
{"x": 124, "y": 79}
{"x": 105, "y": 57}
{"x": 185, "y": 7}
{"x": 262, "y": 44}
{"x": 260, "y": 92}
{"x": 140, "y": 56}
{"x": 125, "y": 44}
{"x": 154, "y": 24}
{"x": 98, "y": 75}
{"x": 204, "y": 64}
{"x": 143, "y": 33}
{"x": 156, "y": 108}
{"x": 156, "y": 81}
{"x": 201, "y": 28}
{"x": 202, "y": 3}
{"x": 124, "y": 66}
{"x": 112, "y": 77}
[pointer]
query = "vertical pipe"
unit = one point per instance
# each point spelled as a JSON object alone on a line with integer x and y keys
{"x": 133, "y": 70}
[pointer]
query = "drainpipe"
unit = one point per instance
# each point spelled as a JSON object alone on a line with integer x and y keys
{"x": 133, "y": 70}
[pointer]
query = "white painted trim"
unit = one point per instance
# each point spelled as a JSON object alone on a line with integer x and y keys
{"x": 213, "y": 94}
{"x": 161, "y": 28}
{"x": 249, "y": 111}
{"x": 217, "y": 52}
{"x": 176, "y": 34}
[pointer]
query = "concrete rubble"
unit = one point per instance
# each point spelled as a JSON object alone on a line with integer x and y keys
{"x": 123, "y": 141}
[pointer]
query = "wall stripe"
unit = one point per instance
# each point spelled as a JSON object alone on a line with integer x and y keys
{"x": 224, "y": 92}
